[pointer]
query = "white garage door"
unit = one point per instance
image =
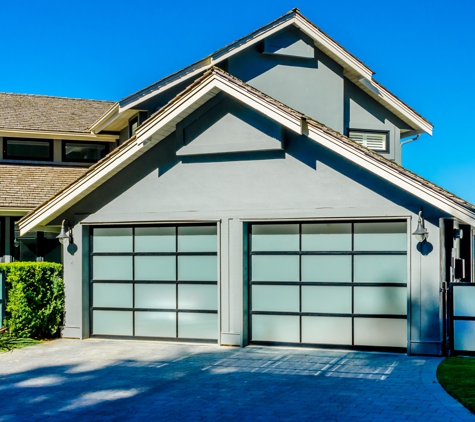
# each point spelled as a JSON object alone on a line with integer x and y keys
{"x": 337, "y": 284}
{"x": 155, "y": 281}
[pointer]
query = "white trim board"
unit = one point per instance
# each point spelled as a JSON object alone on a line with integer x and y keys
{"x": 160, "y": 125}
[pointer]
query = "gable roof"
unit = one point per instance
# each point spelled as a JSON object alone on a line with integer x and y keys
{"x": 26, "y": 187}
{"x": 354, "y": 69}
{"x": 164, "y": 122}
{"x": 22, "y": 112}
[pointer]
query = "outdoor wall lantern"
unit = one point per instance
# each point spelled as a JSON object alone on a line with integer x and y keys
{"x": 421, "y": 232}
{"x": 64, "y": 236}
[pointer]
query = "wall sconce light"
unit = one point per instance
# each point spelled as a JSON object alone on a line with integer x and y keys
{"x": 421, "y": 232}
{"x": 16, "y": 242}
{"x": 64, "y": 236}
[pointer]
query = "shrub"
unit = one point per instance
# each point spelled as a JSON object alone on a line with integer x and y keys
{"x": 35, "y": 299}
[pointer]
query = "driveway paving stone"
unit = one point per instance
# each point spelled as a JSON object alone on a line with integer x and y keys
{"x": 115, "y": 380}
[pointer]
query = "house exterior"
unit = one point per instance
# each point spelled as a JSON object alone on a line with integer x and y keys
{"x": 45, "y": 145}
{"x": 261, "y": 200}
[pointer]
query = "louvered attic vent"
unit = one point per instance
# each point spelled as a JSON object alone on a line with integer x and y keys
{"x": 372, "y": 140}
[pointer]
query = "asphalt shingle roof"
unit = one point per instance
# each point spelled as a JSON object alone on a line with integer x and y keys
{"x": 29, "y": 186}
{"x": 54, "y": 114}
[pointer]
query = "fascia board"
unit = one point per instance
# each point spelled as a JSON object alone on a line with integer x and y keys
{"x": 70, "y": 136}
{"x": 108, "y": 115}
{"x": 14, "y": 212}
{"x": 325, "y": 43}
{"x": 392, "y": 175}
{"x": 79, "y": 190}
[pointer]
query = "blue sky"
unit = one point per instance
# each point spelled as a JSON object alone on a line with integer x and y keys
{"x": 423, "y": 51}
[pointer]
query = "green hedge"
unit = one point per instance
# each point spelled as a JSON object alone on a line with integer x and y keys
{"x": 35, "y": 299}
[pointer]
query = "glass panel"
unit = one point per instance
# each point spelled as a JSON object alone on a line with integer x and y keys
{"x": 275, "y": 298}
{"x": 27, "y": 149}
{"x": 155, "y": 239}
{"x": 113, "y": 240}
{"x": 281, "y": 328}
{"x": 326, "y": 330}
{"x": 197, "y": 239}
{"x": 326, "y": 237}
{"x": 155, "y": 268}
{"x": 463, "y": 335}
{"x": 275, "y": 268}
{"x": 155, "y": 324}
{"x": 380, "y": 236}
{"x": 112, "y": 267}
{"x": 112, "y": 295}
{"x": 464, "y": 300}
{"x": 326, "y": 299}
{"x": 380, "y": 268}
{"x": 380, "y": 332}
{"x": 192, "y": 296}
{"x": 275, "y": 237}
{"x": 89, "y": 152}
{"x": 335, "y": 268}
{"x": 113, "y": 323}
{"x": 199, "y": 326}
{"x": 155, "y": 296}
{"x": 381, "y": 300}
{"x": 198, "y": 268}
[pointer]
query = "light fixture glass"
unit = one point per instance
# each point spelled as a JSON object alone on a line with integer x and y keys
{"x": 421, "y": 232}
{"x": 63, "y": 236}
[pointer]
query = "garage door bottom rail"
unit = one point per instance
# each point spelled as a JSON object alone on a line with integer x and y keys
{"x": 332, "y": 346}
{"x": 158, "y": 339}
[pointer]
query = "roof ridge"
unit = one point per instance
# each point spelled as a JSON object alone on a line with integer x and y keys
{"x": 56, "y": 97}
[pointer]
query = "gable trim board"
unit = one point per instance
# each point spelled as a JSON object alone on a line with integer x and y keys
{"x": 164, "y": 122}
{"x": 354, "y": 69}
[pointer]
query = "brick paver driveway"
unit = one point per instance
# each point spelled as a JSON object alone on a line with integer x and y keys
{"x": 150, "y": 381}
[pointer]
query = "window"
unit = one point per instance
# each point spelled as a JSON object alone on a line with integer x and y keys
{"x": 377, "y": 141}
{"x": 84, "y": 152}
{"x": 133, "y": 124}
{"x": 27, "y": 149}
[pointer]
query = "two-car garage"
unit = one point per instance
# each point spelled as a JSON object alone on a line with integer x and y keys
{"x": 308, "y": 283}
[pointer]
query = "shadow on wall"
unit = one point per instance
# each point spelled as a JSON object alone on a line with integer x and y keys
{"x": 204, "y": 383}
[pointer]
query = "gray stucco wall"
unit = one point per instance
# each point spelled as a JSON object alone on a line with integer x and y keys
{"x": 306, "y": 181}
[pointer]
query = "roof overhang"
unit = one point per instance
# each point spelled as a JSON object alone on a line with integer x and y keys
{"x": 41, "y": 134}
{"x": 164, "y": 122}
{"x": 354, "y": 69}
{"x": 14, "y": 212}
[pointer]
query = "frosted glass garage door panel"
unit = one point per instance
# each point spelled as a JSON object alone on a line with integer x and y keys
{"x": 155, "y": 268}
{"x": 112, "y": 295}
{"x": 112, "y": 268}
{"x": 326, "y": 299}
{"x": 275, "y": 237}
{"x": 326, "y": 237}
{"x": 198, "y": 268}
{"x": 275, "y": 268}
{"x": 326, "y": 268}
{"x": 326, "y": 330}
{"x": 380, "y": 332}
{"x": 381, "y": 268}
{"x": 464, "y": 335}
{"x": 198, "y": 326}
{"x": 380, "y": 236}
{"x": 380, "y": 300}
{"x": 275, "y": 298}
{"x": 203, "y": 297}
{"x": 464, "y": 300}
{"x": 279, "y": 328}
{"x": 112, "y": 323}
{"x": 197, "y": 239}
{"x": 112, "y": 239}
{"x": 155, "y": 324}
{"x": 155, "y": 239}
{"x": 155, "y": 296}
